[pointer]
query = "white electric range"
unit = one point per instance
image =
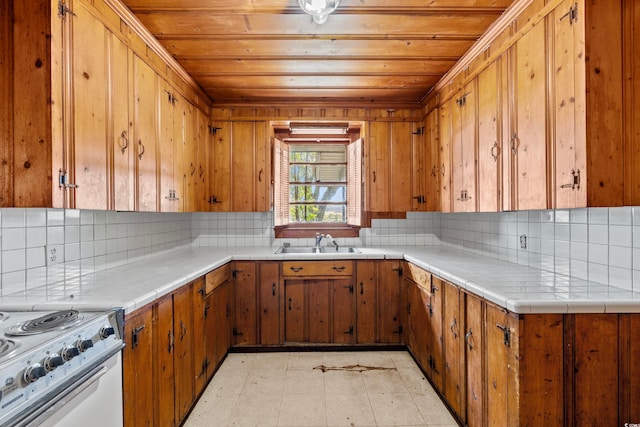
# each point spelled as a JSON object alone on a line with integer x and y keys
{"x": 59, "y": 366}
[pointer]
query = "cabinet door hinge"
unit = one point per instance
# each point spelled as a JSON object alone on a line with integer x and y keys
{"x": 575, "y": 180}
{"x": 572, "y": 14}
{"x": 419, "y": 131}
{"x": 237, "y": 333}
{"x": 350, "y": 287}
{"x": 398, "y": 270}
{"x": 506, "y": 334}
{"x": 350, "y": 331}
{"x": 63, "y": 10}
{"x": 213, "y": 130}
{"x": 63, "y": 180}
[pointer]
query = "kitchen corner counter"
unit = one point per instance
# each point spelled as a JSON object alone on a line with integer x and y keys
{"x": 518, "y": 288}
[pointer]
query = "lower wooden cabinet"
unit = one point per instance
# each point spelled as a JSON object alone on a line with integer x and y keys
{"x": 257, "y": 303}
{"x": 491, "y": 366}
{"x": 380, "y": 302}
{"x": 172, "y": 348}
{"x": 138, "y": 383}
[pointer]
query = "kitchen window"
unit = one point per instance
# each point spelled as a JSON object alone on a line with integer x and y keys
{"x": 317, "y": 187}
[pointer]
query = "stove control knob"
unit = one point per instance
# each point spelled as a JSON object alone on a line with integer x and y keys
{"x": 33, "y": 372}
{"x": 106, "y": 332}
{"x": 84, "y": 345}
{"x": 69, "y": 353}
{"x": 53, "y": 361}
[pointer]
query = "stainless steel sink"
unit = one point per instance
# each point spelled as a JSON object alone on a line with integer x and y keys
{"x": 314, "y": 250}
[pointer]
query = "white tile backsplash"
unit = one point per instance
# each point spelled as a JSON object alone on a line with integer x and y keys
{"x": 595, "y": 244}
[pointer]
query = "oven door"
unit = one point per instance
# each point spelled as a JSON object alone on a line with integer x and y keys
{"x": 95, "y": 400}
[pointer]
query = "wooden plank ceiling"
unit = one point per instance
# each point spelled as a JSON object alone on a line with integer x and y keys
{"x": 269, "y": 52}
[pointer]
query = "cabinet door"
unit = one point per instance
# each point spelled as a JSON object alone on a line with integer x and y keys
{"x": 294, "y": 291}
{"x": 436, "y": 350}
{"x": 223, "y": 309}
{"x": 377, "y": 181}
{"x": 269, "y": 300}
{"x": 164, "y": 346}
{"x": 204, "y": 161}
{"x": 137, "y": 384}
{"x": 432, "y": 196}
{"x": 489, "y": 152}
{"x": 444, "y": 127}
{"x": 528, "y": 140}
{"x": 221, "y": 161}
{"x": 183, "y": 356}
{"x": 419, "y": 165}
{"x": 418, "y": 334}
{"x": 463, "y": 149}
{"x": 122, "y": 148}
{"x": 166, "y": 145}
{"x": 400, "y": 156}
{"x": 246, "y": 304}
{"x": 89, "y": 152}
{"x": 318, "y": 319}
{"x": 211, "y": 333}
{"x": 343, "y": 311}
{"x": 390, "y": 324}
{"x": 145, "y": 120}
{"x": 200, "y": 356}
{"x": 366, "y": 297}
{"x": 499, "y": 335}
{"x": 474, "y": 350}
{"x": 453, "y": 377}
{"x": 242, "y": 166}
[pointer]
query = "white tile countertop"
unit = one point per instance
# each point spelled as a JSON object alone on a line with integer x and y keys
{"x": 518, "y": 288}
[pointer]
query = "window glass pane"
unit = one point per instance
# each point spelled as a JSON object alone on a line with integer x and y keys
{"x": 318, "y": 193}
{"x": 317, "y": 213}
{"x": 329, "y": 153}
{"x": 312, "y": 173}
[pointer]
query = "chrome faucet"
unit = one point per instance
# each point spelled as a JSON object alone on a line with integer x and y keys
{"x": 331, "y": 240}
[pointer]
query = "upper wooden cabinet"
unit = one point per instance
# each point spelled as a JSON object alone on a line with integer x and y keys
{"x": 241, "y": 178}
{"x": 588, "y": 55}
{"x": 445, "y": 161}
{"x": 387, "y": 159}
{"x": 89, "y": 124}
{"x": 527, "y": 167}
{"x": 489, "y": 136}
{"x": 556, "y": 109}
{"x": 463, "y": 149}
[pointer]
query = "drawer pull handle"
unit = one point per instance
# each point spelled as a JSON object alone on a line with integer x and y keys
{"x": 338, "y": 269}
{"x": 361, "y": 288}
{"x": 296, "y": 269}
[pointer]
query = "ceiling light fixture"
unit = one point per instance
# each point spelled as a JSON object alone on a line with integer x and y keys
{"x": 319, "y": 9}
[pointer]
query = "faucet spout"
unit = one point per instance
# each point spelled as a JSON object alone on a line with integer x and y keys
{"x": 331, "y": 240}
{"x": 319, "y": 238}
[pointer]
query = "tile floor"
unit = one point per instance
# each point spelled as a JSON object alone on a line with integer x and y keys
{"x": 284, "y": 389}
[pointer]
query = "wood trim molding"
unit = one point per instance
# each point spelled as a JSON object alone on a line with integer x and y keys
{"x": 482, "y": 46}
{"x": 483, "y": 42}
{"x": 308, "y": 231}
{"x": 132, "y": 21}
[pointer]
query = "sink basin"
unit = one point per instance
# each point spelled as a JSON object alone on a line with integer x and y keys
{"x": 314, "y": 250}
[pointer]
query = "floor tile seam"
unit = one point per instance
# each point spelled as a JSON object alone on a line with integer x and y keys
{"x": 412, "y": 399}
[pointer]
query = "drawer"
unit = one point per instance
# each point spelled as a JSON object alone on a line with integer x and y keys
{"x": 217, "y": 277}
{"x": 317, "y": 268}
{"x": 418, "y": 275}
